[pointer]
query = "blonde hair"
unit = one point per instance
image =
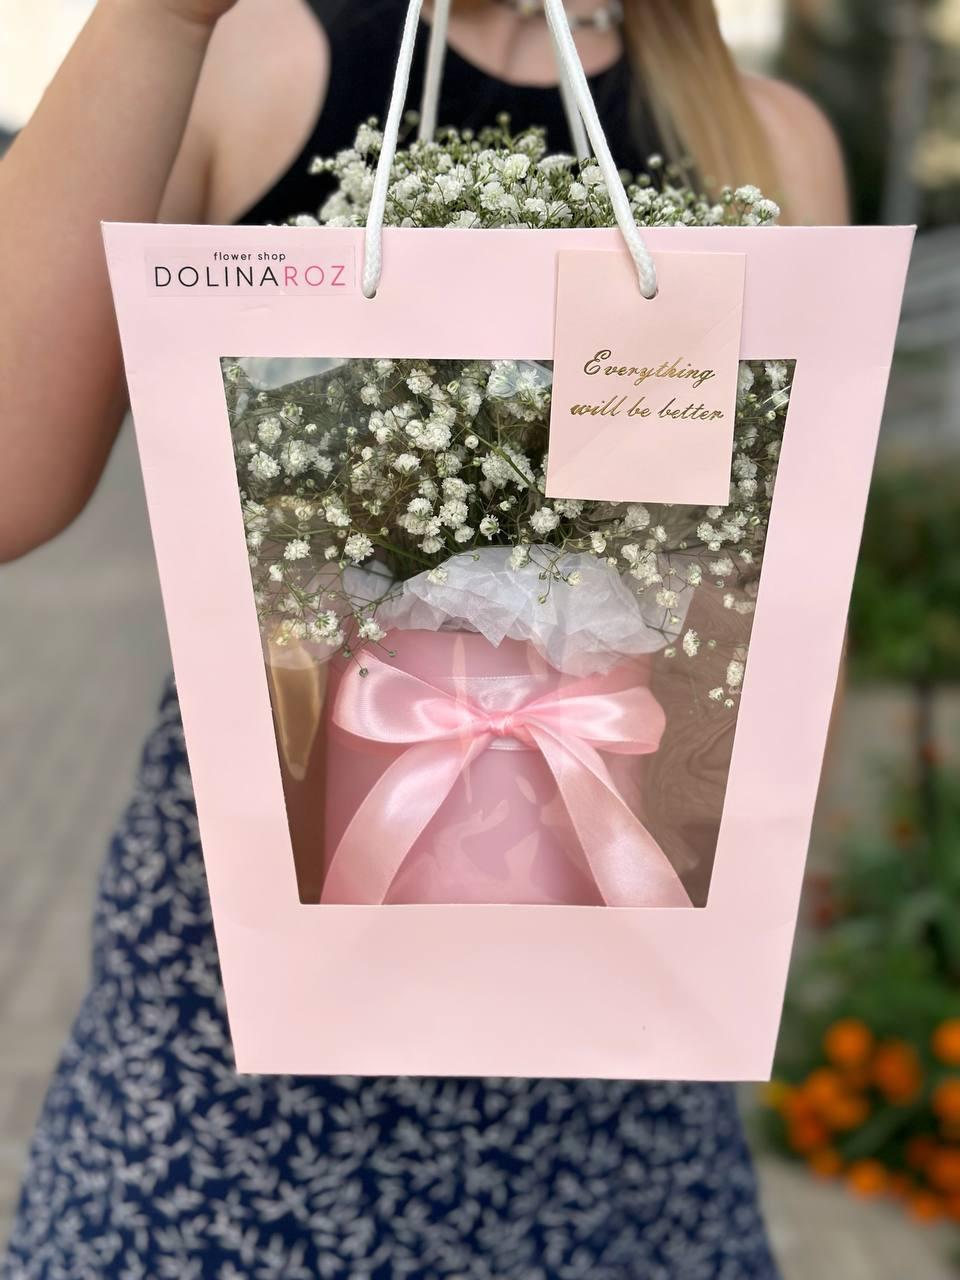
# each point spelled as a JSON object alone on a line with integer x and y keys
{"x": 691, "y": 85}
{"x": 696, "y": 93}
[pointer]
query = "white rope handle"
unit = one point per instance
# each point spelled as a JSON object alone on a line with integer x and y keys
{"x": 578, "y": 102}
{"x": 433, "y": 76}
{"x": 373, "y": 239}
{"x": 573, "y": 69}
{"x": 433, "y": 79}
{"x": 578, "y": 134}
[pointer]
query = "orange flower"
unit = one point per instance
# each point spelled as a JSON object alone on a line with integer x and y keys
{"x": 807, "y": 1133}
{"x": 953, "y": 1207}
{"x": 825, "y": 1163}
{"x": 846, "y": 1112}
{"x": 867, "y": 1178}
{"x": 823, "y": 1088}
{"x": 946, "y": 1101}
{"x": 944, "y": 1169}
{"x": 921, "y": 1150}
{"x": 946, "y": 1042}
{"x": 900, "y": 1184}
{"x": 848, "y": 1043}
{"x": 796, "y": 1105}
{"x": 897, "y": 1071}
{"x": 857, "y": 1078}
{"x": 925, "y": 1206}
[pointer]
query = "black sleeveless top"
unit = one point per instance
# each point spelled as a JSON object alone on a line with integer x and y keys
{"x": 364, "y": 38}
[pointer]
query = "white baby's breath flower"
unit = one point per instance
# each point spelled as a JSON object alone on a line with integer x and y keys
{"x": 437, "y": 576}
{"x": 269, "y": 431}
{"x": 544, "y": 521}
{"x": 371, "y": 630}
{"x": 569, "y": 508}
{"x": 420, "y": 383}
{"x": 453, "y": 513}
{"x": 515, "y": 168}
{"x": 735, "y": 671}
{"x": 358, "y": 547}
{"x": 263, "y": 467}
{"x": 297, "y": 549}
{"x": 636, "y": 517}
{"x": 393, "y": 444}
{"x": 335, "y": 514}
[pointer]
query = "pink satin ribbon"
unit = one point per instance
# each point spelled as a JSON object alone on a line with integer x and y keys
{"x": 445, "y": 732}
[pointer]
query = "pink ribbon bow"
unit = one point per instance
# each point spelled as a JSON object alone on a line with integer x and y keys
{"x": 445, "y": 732}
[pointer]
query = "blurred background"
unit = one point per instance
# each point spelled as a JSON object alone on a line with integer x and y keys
{"x": 858, "y": 1139}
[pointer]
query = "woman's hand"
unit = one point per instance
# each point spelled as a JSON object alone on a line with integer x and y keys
{"x": 204, "y": 13}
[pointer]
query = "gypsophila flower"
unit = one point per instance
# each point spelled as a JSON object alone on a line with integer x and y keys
{"x": 262, "y": 467}
{"x": 453, "y": 513}
{"x": 406, "y": 463}
{"x": 358, "y": 547}
{"x": 388, "y": 466}
{"x": 544, "y": 521}
{"x": 269, "y": 431}
{"x": 635, "y": 517}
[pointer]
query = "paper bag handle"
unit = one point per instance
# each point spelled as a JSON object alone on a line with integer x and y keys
{"x": 571, "y": 73}
{"x": 433, "y": 78}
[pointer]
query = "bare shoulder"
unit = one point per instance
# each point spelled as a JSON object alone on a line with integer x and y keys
{"x": 806, "y": 150}
{"x": 259, "y": 96}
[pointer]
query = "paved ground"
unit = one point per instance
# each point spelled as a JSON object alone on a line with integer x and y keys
{"x": 81, "y": 660}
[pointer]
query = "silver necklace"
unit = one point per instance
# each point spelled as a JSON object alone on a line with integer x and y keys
{"x": 606, "y": 18}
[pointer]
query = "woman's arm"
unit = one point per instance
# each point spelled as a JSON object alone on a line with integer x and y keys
{"x": 102, "y": 146}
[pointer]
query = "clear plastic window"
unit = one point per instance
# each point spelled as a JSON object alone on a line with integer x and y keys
{"x": 480, "y": 694}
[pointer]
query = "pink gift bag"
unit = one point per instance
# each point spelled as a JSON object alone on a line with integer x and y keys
{"x": 505, "y": 755}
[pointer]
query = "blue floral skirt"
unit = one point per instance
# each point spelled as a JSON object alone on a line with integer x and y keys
{"x": 154, "y": 1159}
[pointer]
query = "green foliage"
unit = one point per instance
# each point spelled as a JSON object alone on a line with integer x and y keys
{"x": 886, "y": 972}
{"x": 905, "y": 616}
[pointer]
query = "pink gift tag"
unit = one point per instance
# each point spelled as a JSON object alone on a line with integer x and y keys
{"x": 645, "y": 390}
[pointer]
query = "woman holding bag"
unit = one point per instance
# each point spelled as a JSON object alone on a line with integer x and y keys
{"x": 152, "y": 1158}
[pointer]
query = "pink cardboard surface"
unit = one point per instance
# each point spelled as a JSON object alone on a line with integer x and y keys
{"x": 499, "y": 990}
{"x": 644, "y": 396}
